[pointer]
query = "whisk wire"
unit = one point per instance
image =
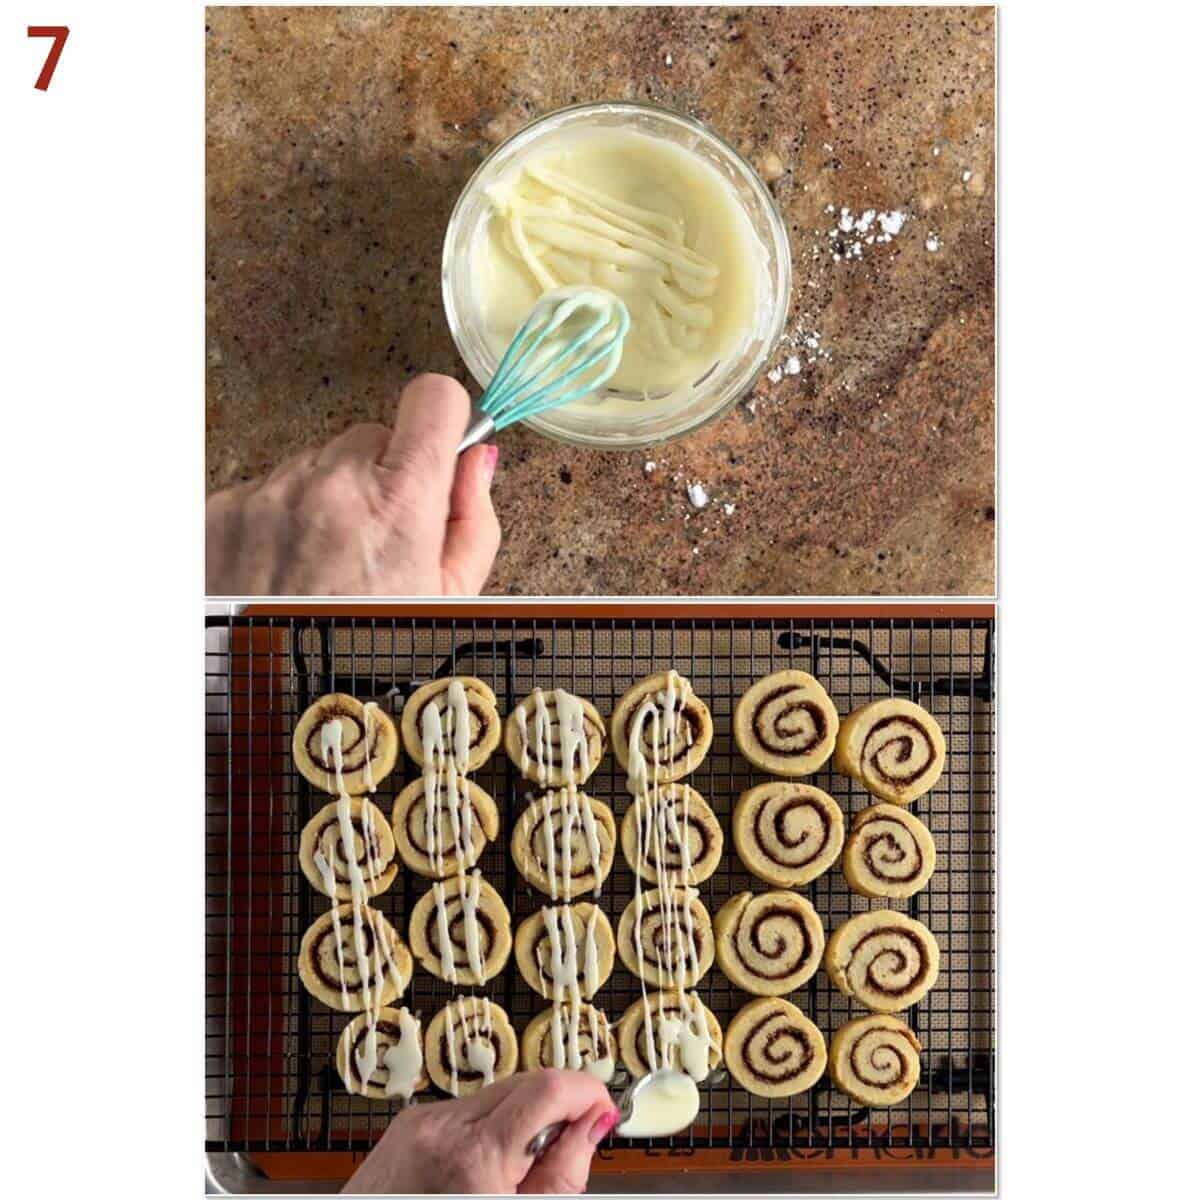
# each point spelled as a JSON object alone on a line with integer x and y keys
{"x": 507, "y": 386}
{"x": 513, "y": 395}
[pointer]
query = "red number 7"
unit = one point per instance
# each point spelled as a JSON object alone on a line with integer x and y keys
{"x": 59, "y": 34}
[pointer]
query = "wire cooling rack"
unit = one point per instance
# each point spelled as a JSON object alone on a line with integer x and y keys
{"x": 269, "y": 1047}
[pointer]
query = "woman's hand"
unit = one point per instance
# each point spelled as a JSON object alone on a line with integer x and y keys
{"x": 478, "y": 1144}
{"x": 376, "y": 512}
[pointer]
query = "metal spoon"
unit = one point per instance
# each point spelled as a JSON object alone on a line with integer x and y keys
{"x": 543, "y": 1140}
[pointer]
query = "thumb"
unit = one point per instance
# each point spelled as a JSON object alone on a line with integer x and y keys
{"x": 563, "y": 1169}
{"x": 416, "y": 468}
{"x": 472, "y": 530}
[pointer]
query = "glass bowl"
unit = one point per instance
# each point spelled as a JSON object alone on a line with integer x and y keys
{"x": 720, "y": 388}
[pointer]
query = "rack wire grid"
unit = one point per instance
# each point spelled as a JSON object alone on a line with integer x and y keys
{"x": 271, "y": 1083}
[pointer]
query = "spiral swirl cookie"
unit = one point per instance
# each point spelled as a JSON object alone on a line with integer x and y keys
{"x": 875, "y": 1060}
{"x": 883, "y": 959}
{"x": 548, "y": 952}
{"x": 787, "y": 833}
{"x": 461, "y": 703}
{"x": 578, "y": 1039}
{"x": 564, "y": 843}
{"x": 330, "y": 965}
{"x": 388, "y": 1067}
{"x": 539, "y": 728}
{"x": 670, "y": 747}
{"x": 786, "y": 724}
{"x": 889, "y": 853}
{"x": 676, "y": 938}
{"x": 438, "y": 851}
{"x": 772, "y": 1049}
{"x": 340, "y": 738}
{"x": 460, "y": 930}
{"x": 685, "y": 1035}
{"x": 769, "y": 944}
{"x": 323, "y": 856}
{"x": 674, "y": 817}
{"x": 893, "y": 747}
{"x": 468, "y": 1045}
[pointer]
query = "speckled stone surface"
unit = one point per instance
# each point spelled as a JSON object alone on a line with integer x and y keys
{"x": 338, "y": 139}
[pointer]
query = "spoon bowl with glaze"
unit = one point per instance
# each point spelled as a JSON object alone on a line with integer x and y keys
{"x": 656, "y": 1105}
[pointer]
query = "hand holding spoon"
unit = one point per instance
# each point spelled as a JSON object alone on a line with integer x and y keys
{"x": 653, "y": 1106}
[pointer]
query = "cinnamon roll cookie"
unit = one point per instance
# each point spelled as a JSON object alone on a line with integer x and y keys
{"x": 576, "y": 1037}
{"x": 332, "y": 969}
{"x": 548, "y": 726}
{"x": 786, "y": 724}
{"x": 659, "y": 826}
{"x": 769, "y": 944}
{"x": 772, "y": 1049}
{"x": 564, "y": 843}
{"x": 390, "y": 1066}
{"x": 468, "y": 1045}
{"x": 455, "y": 717}
{"x": 875, "y": 1060}
{"x": 669, "y": 726}
{"x": 889, "y": 853}
{"x": 460, "y": 930}
{"x": 893, "y": 747}
{"x": 669, "y": 1029}
{"x": 341, "y": 745}
{"x": 323, "y": 857}
{"x": 787, "y": 833}
{"x": 883, "y": 959}
{"x": 670, "y": 942}
{"x": 438, "y": 844}
{"x": 565, "y": 946}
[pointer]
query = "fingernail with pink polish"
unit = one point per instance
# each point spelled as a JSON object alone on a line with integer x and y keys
{"x": 491, "y": 458}
{"x": 603, "y": 1126}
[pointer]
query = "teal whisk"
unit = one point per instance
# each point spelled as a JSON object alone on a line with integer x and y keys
{"x": 568, "y": 347}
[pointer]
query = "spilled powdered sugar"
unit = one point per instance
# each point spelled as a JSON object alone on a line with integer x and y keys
{"x": 852, "y": 232}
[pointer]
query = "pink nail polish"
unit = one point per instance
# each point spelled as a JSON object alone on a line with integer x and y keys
{"x": 603, "y": 1126}
{"x": 491, "y": 458}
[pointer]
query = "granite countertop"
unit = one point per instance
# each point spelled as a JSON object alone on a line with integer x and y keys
{"x": 338, "y": 140}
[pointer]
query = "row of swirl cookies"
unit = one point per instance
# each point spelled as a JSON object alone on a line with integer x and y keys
{"x": 672, "y": 841}
{"x": 563, "y": 844}
{"x": 787, "y": 725}
{"x": 440, "y": 825}
{"x": 460, "y": 929}
{"x": 788, "y": 833}
{"x": 351, "y": 957}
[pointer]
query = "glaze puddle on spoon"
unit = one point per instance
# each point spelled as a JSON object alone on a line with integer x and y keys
{"x": 665, "y": 1103}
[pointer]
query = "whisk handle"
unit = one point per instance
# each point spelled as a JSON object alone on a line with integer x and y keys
{"x": 480, "y": 429}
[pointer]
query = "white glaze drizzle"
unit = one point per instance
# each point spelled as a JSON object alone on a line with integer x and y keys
{"x": 477, "y": 1040}
{"x": 470, "y": 907}
{"x": 578, "y": 234}
{"x": 330, "y": 880}
{"x": 366, "y": 1056}
{"x": 689, "y": 1035}
{"x": 560, "y": 927}
{"x": 548, "y": 831}
{"x": 402, "y": 1061}
{"x": 591, "y": 953}
{"x": 369, "y": 711}
{"x": 446, "y": 748}
{"x": 567, "y": 996}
